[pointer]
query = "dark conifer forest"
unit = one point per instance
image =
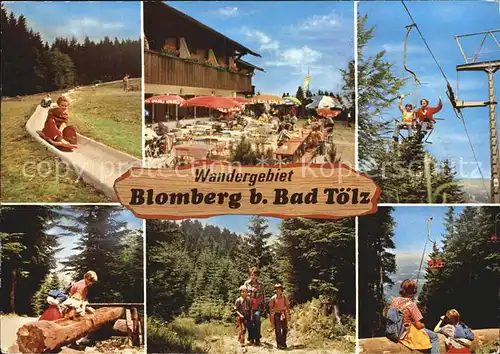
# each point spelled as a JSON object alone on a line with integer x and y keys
{"x": 471, "y": 256}
{"x": 31, "y": 65}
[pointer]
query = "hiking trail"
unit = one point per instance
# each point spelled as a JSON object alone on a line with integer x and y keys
{"x": 229, "y": 344}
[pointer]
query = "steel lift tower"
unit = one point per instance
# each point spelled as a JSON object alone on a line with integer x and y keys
{"x": 490, "y": 67}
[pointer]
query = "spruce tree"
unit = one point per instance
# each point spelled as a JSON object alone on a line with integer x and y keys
{"x": 447, "y": 190}
{"x": 39, "y": 301}
{"x": 378, "y": 87}
{"x": 376, "y": 264}
{"x": 28, "y": 254}
{"x": 471, "y": 268}
{"x": 257, "y": 249}
{"x": 100, "y": 248}
{"x": 300, "y": 94}
{"x": 317, "y": 258}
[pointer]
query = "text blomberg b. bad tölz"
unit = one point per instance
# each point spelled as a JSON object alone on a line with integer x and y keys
{"x": 282, "y": 196}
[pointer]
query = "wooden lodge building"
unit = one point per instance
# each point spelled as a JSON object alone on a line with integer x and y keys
{"x": 183, "y": 56}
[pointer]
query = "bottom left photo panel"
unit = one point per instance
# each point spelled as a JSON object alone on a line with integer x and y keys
{"x": 71, "y": 279}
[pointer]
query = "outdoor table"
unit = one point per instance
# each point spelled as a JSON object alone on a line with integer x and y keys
{"x": 197, "y": 151}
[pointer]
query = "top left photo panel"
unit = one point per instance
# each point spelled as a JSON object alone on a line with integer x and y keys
{"x": 71, "y": 100}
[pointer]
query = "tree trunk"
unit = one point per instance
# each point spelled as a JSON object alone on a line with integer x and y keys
{"x": 13, "y": 291}
{"x": 47, "y": 336}
{"x": 336, "y": 311}
{"x": 382, "y": 345}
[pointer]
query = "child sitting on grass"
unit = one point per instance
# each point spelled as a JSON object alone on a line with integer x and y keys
{"x": 242, "y": 307}
{"x": 458, "y": 337}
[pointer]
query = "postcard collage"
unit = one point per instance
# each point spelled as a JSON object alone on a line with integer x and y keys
{"x": 250, "y": 177}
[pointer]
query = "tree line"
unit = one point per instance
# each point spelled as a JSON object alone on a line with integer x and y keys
{"x": 471, "y": 269}
{"x": 471, "y": 259}
{"x": 31, "y": 238}
{"x": 407, "y": 172}
{"x": 196, "y": 270}
{"x": 30, "y": 65}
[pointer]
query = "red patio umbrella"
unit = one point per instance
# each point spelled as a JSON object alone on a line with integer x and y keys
{"x": 328, "y": 113}
{"x": 166, "y": 99}
{"x": 241, "y": 100}
{"x": 222, "y": 104}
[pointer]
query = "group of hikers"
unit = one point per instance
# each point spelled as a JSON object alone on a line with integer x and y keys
{"x": 70, "y": 302}
{"x": 418, "y": 122}
{"x": 251, "y": 305}
{"x": 404, "y": 325}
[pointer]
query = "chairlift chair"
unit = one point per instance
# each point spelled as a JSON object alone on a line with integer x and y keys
{"x": 429, "y": 132}
{"x": 437, "y": 264}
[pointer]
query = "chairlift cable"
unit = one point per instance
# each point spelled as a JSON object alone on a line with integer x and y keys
{"x": 425, "y": 42}
{"x": 474, "y": 154}
{"x": 427, "y": 238}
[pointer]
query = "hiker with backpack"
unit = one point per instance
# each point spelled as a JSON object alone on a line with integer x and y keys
{"x": 279, "y": 309}
{"x": 60, "y": 301}
{"x": 458, "y": 336}
{"x": 404, "y": 321}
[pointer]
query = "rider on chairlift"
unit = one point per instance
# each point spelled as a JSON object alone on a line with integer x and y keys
{"x": 408, "y": 118}
{"x": 425, "y": 117}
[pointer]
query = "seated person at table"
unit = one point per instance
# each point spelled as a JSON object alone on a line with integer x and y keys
{"x": 263, "y": 118}
{"x": 316, "y": 137}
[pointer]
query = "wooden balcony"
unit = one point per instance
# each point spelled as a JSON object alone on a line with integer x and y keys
{"x": 165, "y": 70}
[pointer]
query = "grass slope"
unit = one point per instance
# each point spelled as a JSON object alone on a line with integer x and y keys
{"x": 29, "y": 172}
{"x": 109, "y": 115}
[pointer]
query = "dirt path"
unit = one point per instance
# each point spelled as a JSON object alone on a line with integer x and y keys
{"x": 229, "y": 344}
{"x": 9, "y": 326}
